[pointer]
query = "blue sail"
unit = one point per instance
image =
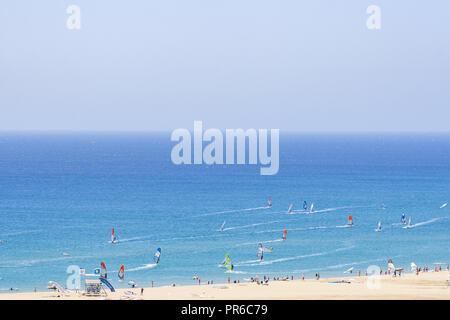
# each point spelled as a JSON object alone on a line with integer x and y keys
{"x": 157, "y": 255}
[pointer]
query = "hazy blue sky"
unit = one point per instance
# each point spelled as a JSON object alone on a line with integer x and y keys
{"x": 288, "y": 64}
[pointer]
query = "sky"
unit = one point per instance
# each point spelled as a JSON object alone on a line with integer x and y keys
{"x": 309, "y": 65}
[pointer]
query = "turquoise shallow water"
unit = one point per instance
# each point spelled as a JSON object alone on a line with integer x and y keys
{"x": 64, "y": 192}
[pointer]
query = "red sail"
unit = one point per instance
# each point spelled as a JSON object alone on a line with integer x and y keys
{"x": 121, "y": 273}
{"x": 102, "y": 264}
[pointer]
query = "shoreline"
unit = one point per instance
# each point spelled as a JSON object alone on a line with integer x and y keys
{"x": 408, "y": 286}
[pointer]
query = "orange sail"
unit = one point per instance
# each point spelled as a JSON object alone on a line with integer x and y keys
{"x": 284, "y": 234}
{"x": 350, "y": 220}
{"x": 102, "y": 264}
{"x": 121, "y": 273}
{"x": 270, "y": 202}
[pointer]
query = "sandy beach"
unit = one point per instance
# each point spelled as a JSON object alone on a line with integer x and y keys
{"x": 431, "y": 285}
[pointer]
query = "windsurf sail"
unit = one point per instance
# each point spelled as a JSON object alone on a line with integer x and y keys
{"x": 270, "y": 202}
{"x": 284, "y": 234}
{"x": 350, "y": 220}
{"x": 260, "y": 252}
{"x": 383, "y": 206}
{"x": 312, "y": 207}
{"x": 444, "y": 205}
{"x": 223, "y": 225}
{"x": 349, "y": 270}
{"x": 113, "y": 237}
{"x": 404, "y": 218}
{"x": 290, "y": 208}
{"x": 121, "y": 273}
{"x": 305, "y": 205}
{"x": 409, "y": 225}
{"x": 102, "y": 264}
{"x": 227, "y": 262}
{"x": 157, "y": 255}
{"x": 379, "y": 226}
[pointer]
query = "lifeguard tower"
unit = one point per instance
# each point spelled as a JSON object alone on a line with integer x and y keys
{"x": 93, "y": 286}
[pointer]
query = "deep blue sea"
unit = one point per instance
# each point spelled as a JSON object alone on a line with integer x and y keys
{"x": 64, "y": 192}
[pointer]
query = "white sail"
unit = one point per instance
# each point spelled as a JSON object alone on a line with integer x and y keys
{"x": 378, "y": 227}
{"x": 409, "y": 225}
{"x": 290, "y": 208}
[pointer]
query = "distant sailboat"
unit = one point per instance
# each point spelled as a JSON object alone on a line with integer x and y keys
{"x": 305, "y": 205}
{"x": 105, "y": 275}
{"x": 311, "y": 210}
{"x": 121, "y": 273}
{"x": 350, "y": 221}
{"x": 290, "y": 208}
{"x": 383, "y": 206}
{"x": 378, "y": 229}
{"x": 349, "y": 270}
{"x": 113, "y": 237}
{"x": 409, "y": 223}
{"x": 223, "y": 225}
{"x": 157, "y": 255}
{"x": 284, "y": 235}
{"x": 227, "y": 264}
{"x": 260, "y": 252}
{"x": 270, "y": 202}
{"x": 403, "y": 218}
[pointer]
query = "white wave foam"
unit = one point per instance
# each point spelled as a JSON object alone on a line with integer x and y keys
{"x": 17, "y": 233}
{"x": 237, "y": 272}
{"x": 268, "y": 262}
{"x": 144, "y": 267}
{"x": 424, "y": 223}
{"x": 230, "y": 211}
{"x": 251, "y": 225}
{"x": 300, "y": 211}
